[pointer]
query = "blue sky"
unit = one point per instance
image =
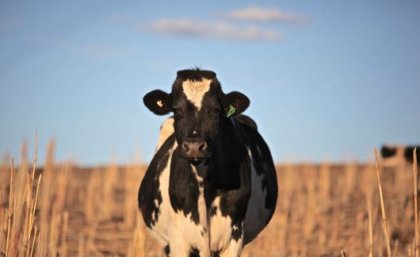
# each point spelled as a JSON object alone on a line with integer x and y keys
{"x": 328, "y": 80}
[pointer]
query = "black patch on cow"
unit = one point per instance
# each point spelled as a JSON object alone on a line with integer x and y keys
{"x": 215, "y": 254}
{"x": 213, "y": 211}
{"x": 149, "y": 188}
{"x": 237, "y": 232}
{"x": 387, "y": 152}
{"x": 195, "y": 74}
{"x": 194, "y": 252}
{"x": 408, "y": 153}
{"x": 167, "y": 250}
{"x": 234, "y": 205}
{"x": 204, "y": 231}
{"x": 246, "y": 120}
{"x": 183, "y": 187}
{"x": 158, "y": 102}
{"x": 231, "y": 176}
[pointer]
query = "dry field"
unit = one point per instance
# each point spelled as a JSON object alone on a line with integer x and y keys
{"x": 323, "y": 210}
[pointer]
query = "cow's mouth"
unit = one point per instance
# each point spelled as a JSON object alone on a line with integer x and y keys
{"x": 197, "y": 160}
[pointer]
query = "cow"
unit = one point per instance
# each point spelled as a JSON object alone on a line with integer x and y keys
{"x": 211, "y": 186}
{"x": 399, "y": 155}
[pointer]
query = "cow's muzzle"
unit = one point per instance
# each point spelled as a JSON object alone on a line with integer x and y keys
{"x": 195, "y": 150}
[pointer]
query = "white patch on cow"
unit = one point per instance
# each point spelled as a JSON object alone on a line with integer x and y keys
{"x": 256, "y": 215}
{"x": 221, "y": 230}
{"x": 202, "y": 208}
{"x": 160, "y": 229}
{"x": 194, "y": 91}
{"x": 166, "y": 130}
{"x": 233, "y": 248}
{"x": 159, "y": 103}
{"x": 184, "y": 234}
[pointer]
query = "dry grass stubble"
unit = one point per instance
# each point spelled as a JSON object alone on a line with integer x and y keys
{"x": 324, "y": 209}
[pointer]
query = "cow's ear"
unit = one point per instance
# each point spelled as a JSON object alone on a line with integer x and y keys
{"x": 235, "y": 103}
{"x": 158, "y": 102}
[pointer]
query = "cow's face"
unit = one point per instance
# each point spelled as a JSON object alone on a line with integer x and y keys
{"x": 201, "y": 111}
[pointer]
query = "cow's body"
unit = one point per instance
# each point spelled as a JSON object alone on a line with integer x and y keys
{"x": 213, "y": 206}
{"x": 398, "y": 155}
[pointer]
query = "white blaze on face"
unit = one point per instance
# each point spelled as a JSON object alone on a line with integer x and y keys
{"x": 195, "y": 91}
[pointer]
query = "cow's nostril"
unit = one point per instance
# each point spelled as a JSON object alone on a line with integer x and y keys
{"x": 185, "y": 146}
{"x": 203, "y": 147}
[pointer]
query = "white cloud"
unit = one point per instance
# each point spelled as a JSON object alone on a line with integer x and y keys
{"x": 259, "y": 14}
{"x": 212, "y": 30}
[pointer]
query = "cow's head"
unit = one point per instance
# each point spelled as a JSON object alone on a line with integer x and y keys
{"x": 201, "y": 111}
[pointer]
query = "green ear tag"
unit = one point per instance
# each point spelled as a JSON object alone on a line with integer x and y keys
{"x": 231, "y": 111}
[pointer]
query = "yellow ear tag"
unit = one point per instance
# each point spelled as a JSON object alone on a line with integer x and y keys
{"x": 231, "y": 111}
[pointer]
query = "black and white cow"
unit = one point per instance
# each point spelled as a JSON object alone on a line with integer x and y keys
{"x": 211, "y": 186}
{"x": 399, "y": 155}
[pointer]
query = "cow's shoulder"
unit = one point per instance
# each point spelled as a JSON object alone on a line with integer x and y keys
{"x": 166, "y": 130}
{"x": 150, "y": 195}
{"x": 246, "y": 120}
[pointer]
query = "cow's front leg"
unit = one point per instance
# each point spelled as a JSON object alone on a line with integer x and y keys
{"x": 187, "y": 238}
{"x": 235, "y": 245}
{"x": 234, "y": 249}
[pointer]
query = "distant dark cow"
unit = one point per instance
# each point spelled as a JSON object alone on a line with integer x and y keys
{"x": 398, "y": 154}
{"x": 211, "y": 186}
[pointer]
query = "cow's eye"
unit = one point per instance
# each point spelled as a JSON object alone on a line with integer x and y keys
{"x": 178, "y": 112}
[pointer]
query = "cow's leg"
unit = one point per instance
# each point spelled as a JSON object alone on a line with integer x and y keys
{"x": 233, "y": 249}
{"x": 226, "y": 230}
{"x": 186, "y": 238}
{"x": 185, "y": 247}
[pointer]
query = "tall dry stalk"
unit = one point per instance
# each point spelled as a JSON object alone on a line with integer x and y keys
{"x": 10, "y": 210}
{"x": 416, "y": 210}
{"x": 381, "y": 196}
{"x": 416, "y": 218}
{"x": 32, "y": 228}
{"x": 46, "y": 200}
{"x": 20, "y": 235}
{"x": 369, "y": 209}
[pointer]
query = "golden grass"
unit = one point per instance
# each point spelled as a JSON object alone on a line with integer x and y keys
{"x": 326, "y": 209}
{"x": 383, "y": 213}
